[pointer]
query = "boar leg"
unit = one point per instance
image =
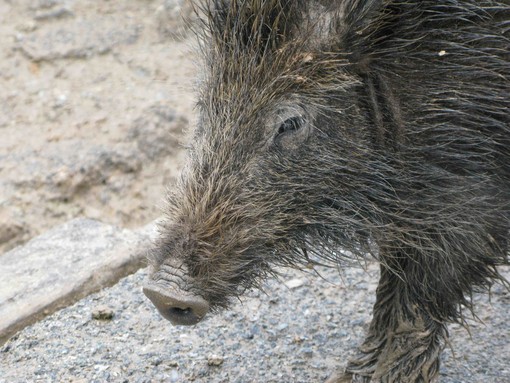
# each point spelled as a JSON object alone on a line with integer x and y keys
{"x": 403, "y": 343}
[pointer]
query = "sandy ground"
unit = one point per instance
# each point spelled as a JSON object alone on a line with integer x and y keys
{"x": 82, "y": 81}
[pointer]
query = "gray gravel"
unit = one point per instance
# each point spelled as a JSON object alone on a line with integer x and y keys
{"x": 297, "y": 332}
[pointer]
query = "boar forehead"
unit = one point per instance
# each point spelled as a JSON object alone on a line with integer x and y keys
{"x": 259, "y": 54}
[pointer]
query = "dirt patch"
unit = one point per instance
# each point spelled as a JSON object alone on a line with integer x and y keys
{"x": 94, "y": 99}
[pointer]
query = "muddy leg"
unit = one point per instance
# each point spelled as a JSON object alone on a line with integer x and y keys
{"x": 403, "y": 343}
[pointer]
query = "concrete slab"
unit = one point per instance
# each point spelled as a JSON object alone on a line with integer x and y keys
{"x": 64, "y": 265}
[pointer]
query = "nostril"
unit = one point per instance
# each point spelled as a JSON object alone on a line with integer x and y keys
{"x": 178, "y": 312}
{"x": 177, "y": 307}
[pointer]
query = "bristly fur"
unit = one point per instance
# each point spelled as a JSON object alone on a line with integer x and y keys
{"x": 405, "y": 155}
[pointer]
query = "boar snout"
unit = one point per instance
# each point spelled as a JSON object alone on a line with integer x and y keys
{"x": 178, "y": 307}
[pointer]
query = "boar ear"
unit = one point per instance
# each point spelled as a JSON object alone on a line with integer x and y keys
{"x": 349, "y": 27}
{"x": 350, "y": 19}
{"x": 257, "y": 27}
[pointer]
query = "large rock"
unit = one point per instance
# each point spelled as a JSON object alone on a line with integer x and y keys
{"x": 64, "y": 265}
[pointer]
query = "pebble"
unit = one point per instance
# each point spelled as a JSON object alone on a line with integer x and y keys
{"x": 307, "y": 352}
{"x": 102, "y": 312}
{"x": 214, "y": 360}
{"x": 294, "y": 283}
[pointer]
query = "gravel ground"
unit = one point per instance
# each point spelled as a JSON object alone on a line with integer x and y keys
{"x": 298, "y": 332}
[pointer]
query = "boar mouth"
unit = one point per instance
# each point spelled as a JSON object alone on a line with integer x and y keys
{"x": 180, "y": 308}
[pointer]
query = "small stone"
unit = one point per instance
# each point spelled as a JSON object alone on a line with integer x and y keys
{"x": 156, "y": 361}
{"x": 174, "y": 376}
{"x": 307, "y": 352}
{"x": 214, "y": 360}
{"x": 27, "y": 26}
{"x": 45, "y": 4}
{"x": 101, "y": 367}
{"x": 294, "y": 283}
{"x": 53, "y": 14}
{"x": 10, "y": 227}
{"x": 102, "y": 313}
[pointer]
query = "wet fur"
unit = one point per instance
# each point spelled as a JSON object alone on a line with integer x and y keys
{"x": 408, "y": 159}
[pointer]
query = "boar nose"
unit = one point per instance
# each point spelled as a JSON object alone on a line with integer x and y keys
{"x": 180, "y": 309}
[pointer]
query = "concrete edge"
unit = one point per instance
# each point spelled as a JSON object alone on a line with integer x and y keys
{"x": 104, "y": 277}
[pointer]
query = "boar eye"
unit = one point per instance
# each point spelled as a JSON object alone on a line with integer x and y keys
{"x": 291, "y": 128}
{"x": 290, "y": 125}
